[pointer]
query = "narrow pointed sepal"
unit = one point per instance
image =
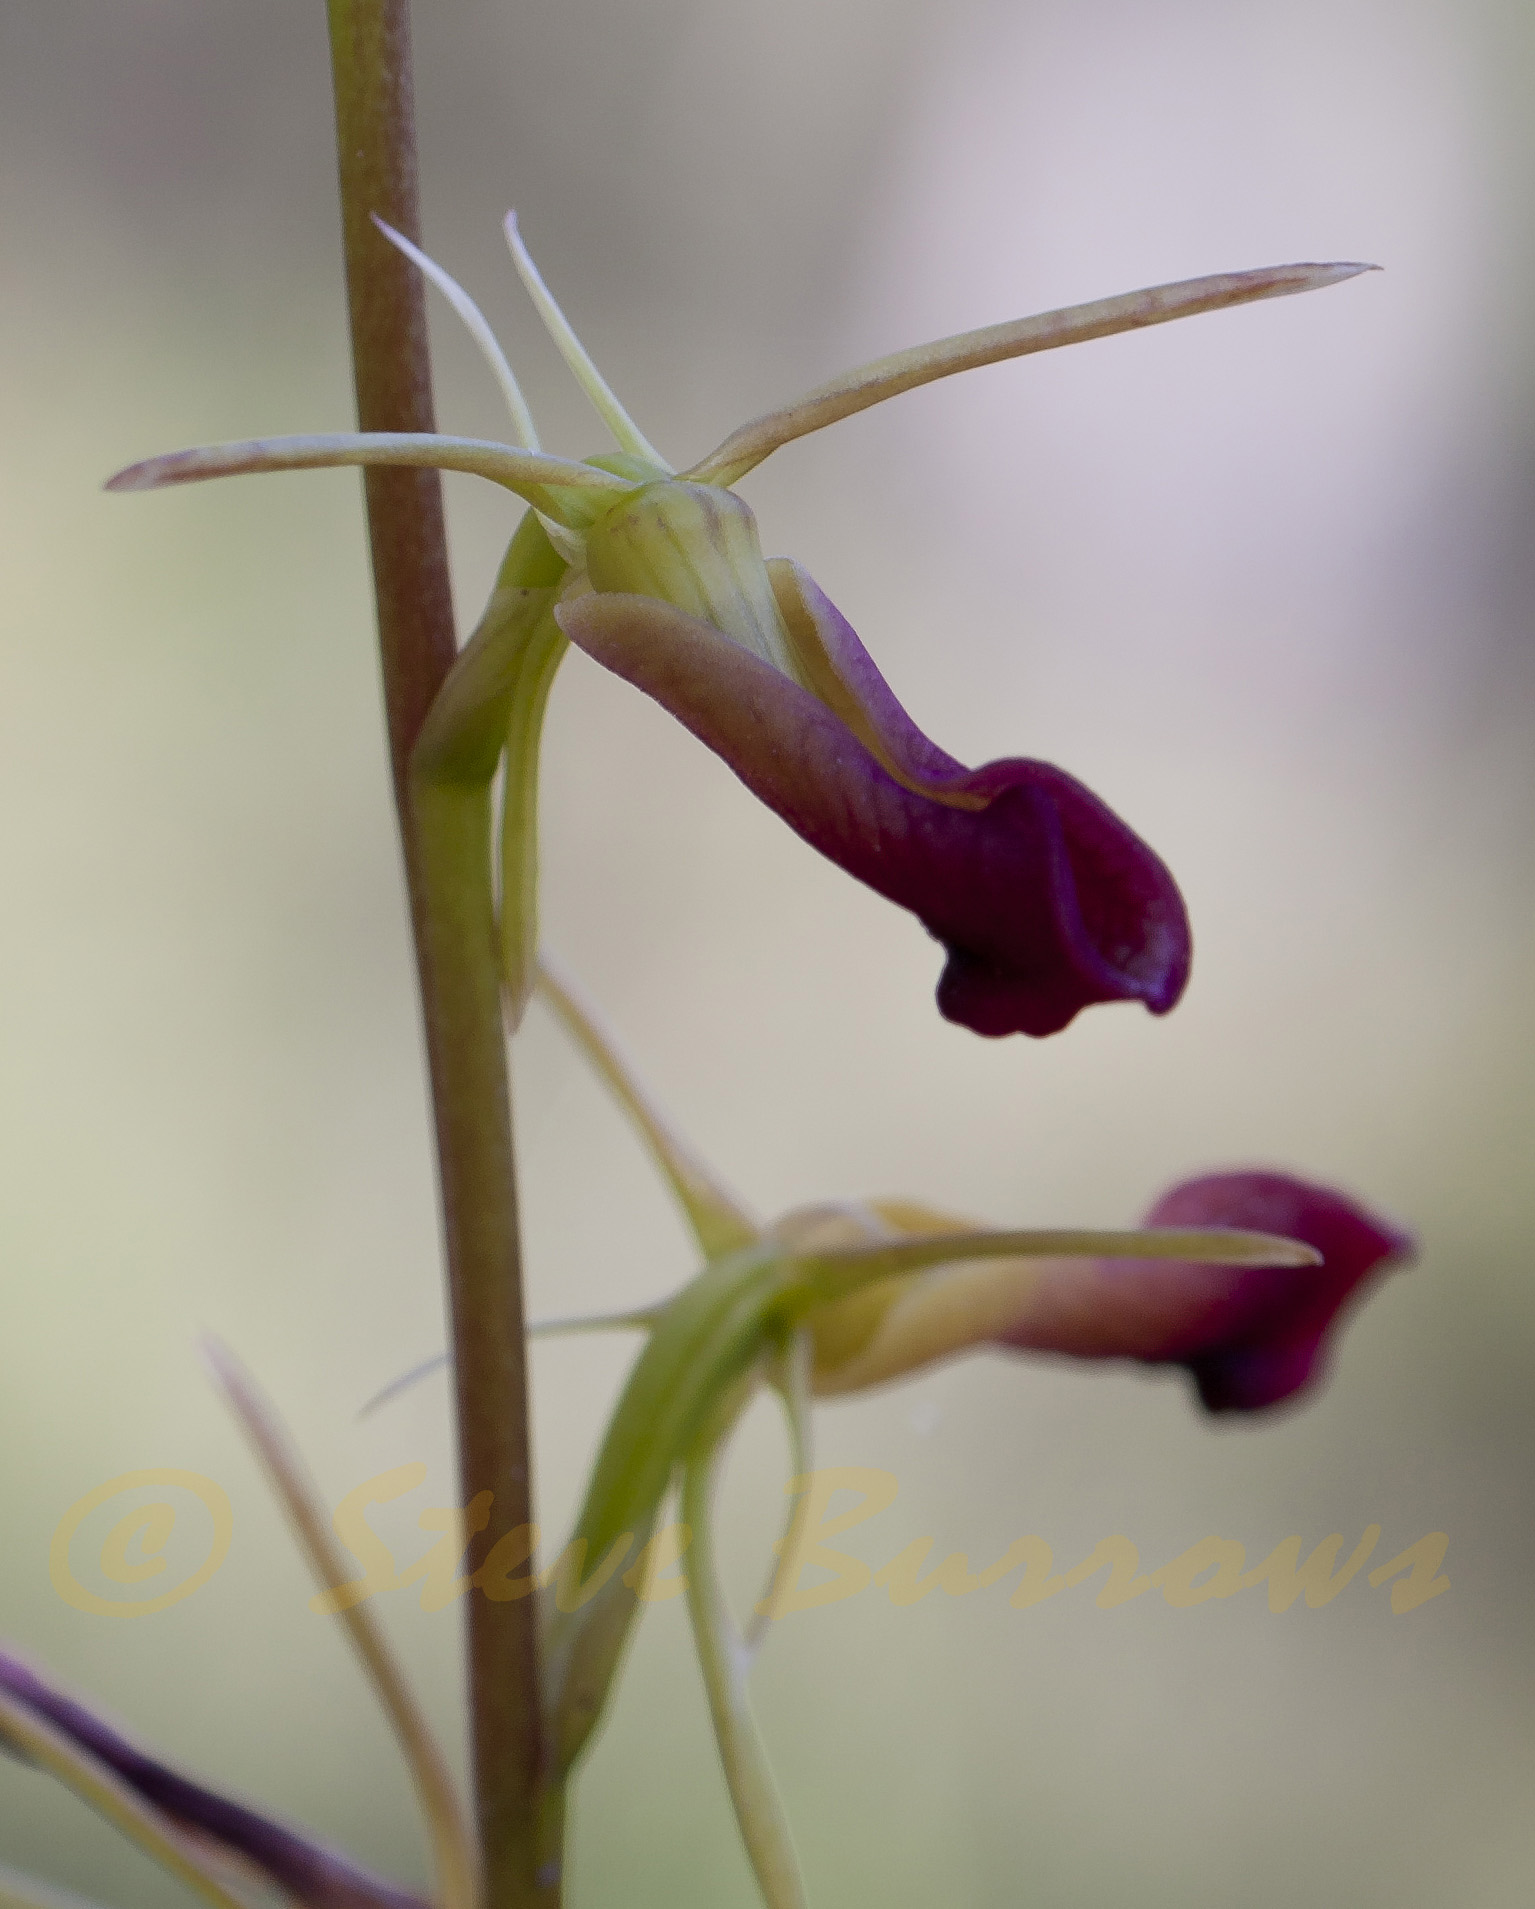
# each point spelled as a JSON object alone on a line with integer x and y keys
{"x": 626, "y": 433}
{"x": 719, "y": 1221}
{"x": 539, "y": 655}
{"x": 900, "y": 1304}
{"x": 573, "y": 494}
{"x": 704, "y": 1343}
{"x": 1044, "y": 899}
{"x": 885, "y": 378}
{"x": 846, "y": 1267}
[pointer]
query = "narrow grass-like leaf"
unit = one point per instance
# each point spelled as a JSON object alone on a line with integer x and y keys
{"x": 452, "y": 1850}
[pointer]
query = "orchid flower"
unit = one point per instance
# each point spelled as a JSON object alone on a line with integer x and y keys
{"x": 1044, "y": 900}
{"x": 1251, "y": 1337}
{"x": 1236, "y": 1277}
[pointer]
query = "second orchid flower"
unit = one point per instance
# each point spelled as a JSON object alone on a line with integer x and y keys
{"x": 1239, "y": 1278}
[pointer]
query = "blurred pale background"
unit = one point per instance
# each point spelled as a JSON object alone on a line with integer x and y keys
{"x": 1263, "y": 580}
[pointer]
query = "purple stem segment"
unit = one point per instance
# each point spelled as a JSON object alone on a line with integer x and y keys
{"x": 310, "y": 1873}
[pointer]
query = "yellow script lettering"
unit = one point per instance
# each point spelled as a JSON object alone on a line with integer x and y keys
{"x": 804, "y": 1544}
{"x": 1036, "y": 1584}
{"x": 644, "y": 1576}
{"x": 570, "y": 1593}
{"x": 1425, "y": 1557}
{"x": 953, "y": 1576}
{"x": 1120, "y": 1557}
{"x": 1223, "y": 1557}
{"x": 352, "y": 1528}
{"x": 439, "y": 1567}
{"x": 1288, "y": 1577}
{"x": 511, "y": 1549}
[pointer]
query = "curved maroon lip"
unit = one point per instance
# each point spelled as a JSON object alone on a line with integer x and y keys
{"x": 1046, "y": 902}
{"x": 1251, "y": 1337}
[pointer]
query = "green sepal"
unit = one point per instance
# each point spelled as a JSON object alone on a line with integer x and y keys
{"x": 835, "y": 1273}
{"x": 720, "y": 1223}
{"x": 701, "y": 1346}
{"x": 492, "y": 703}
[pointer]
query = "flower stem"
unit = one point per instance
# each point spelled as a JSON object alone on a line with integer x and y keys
{"x": 448, "y": 876}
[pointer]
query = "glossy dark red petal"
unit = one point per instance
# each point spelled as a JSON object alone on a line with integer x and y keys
{"x": 1251, "y": 1337}
{"x": 1044, "y": 899}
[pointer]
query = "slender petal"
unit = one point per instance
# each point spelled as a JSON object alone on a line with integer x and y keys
{"x": 305, "y": 1870}
{"x": 885, "y": 378}
{"x": 386, "y": 1394}
{"x": 1250, "y": 1337}
{"x": 626, "y": 433}
{"x": 475, "y": 323}
{"x": 1044, "y": 899}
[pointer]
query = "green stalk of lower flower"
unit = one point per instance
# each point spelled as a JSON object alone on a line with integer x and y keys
{"x": 445, "y": 828}
{"x": 702, "y": 1343}
{"x": 724, "y": 1657}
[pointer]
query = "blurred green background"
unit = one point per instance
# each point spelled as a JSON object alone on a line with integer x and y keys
{"x": 1263, "y": 580}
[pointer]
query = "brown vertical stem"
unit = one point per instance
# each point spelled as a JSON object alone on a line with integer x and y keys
{"x": 375, "y": 134}
{"x": 376, "y": 148}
